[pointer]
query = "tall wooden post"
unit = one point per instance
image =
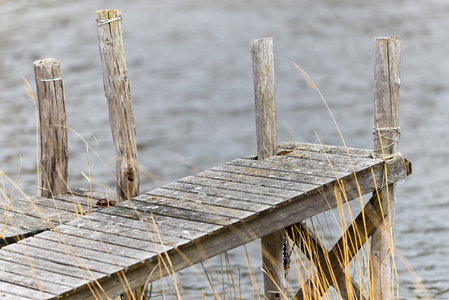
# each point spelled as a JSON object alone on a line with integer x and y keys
{"x": 386, "y": 144}
{"x": 53, "y": 130}
{"x": 265, "y": 101}
{"x": 118, "y": 95}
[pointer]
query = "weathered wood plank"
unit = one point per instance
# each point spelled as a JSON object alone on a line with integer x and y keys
{"x": 81, "y": 252}
{"x": 6, "y": 295}
{"x": 256, "y": 180}
{"x": 145, "y": 225}
{"x": 244, "y": 167}
{"x": 203, "y": 198}
{"x": 100, "y": 246}
{"x": 289, "y": 164}
{"x": 197, "y": 226}
{"x": 11, "y": 236}
{"x": 240, "y": 187}
{"x": 330, "y": 149}
{"x": 79, "y": 204}
{"x": 337, "y": 161}
{"x": 142, "y": 204}
{"x": 76, "y": 276}
{"x": 217, "y": 191}
{"x": 302, "y": 166}
{"x": 55, "y": 203}
{"x": 32, "y": 207}
{"x": 27, "y": 217}
{"x": 196, "y": 206}
{"x": 26, "y": 222}
{"x": 112, "y": 239}
{"x": 62, "y": 203}
{"x": 10, "y": 230}
{"x": 27, "y": 281}
{"x": 121, "y": 231}
{"x": 86, "y": 203}
{"x": 92, "y": 194}
{"x": 39, "y": 273}
{"x": 69, "y": 259}
{"x": 23, "y": 292}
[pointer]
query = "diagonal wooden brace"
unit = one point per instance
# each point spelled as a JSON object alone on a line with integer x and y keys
{"x": 331, "y": 264}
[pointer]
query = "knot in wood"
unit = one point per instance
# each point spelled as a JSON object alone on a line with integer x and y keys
{"x": 130, "y": 174}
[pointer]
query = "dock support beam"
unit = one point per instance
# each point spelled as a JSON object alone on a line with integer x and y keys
{"x": 53, "y": 130}
{"x": 265, "y": 101}
{"x": 386, "y": 141}
{"x": 118, "y": 95}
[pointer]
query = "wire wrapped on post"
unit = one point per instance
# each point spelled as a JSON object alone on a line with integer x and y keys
{"x": 106, "y": 21}
{"x": 388, "y": 137}
{"x": 49, "y": 79}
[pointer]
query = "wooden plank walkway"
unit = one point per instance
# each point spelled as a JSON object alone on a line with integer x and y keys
{"x": 26, "y": 217}
{"x": 180, "y": 224}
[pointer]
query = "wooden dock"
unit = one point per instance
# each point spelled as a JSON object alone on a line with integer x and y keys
{"x": 104, "y": 253}
{"x": 78, "y": 244}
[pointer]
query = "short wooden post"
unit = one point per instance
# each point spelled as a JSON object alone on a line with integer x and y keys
{"x": 386, "y": 142}
{"x": 265, "y": 101}
{"x": 53, "y": 130}
{"x": 118, "y": 95}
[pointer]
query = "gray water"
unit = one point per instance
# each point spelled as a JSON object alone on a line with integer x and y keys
{"x": 190, "y": 73}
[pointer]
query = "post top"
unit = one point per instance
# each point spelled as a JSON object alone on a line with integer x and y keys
{"x": 266, "y": 39}
{"x": 107, "y": 16}
{"x": 46, "y": 61}
{"x": 388, "y": 38}
{"x": 109, "y": 12}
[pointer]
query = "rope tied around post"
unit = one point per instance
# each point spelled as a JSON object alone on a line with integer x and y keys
{"x": 392, "y": 135}
{"x": 101, "y": 22}
{"x": 389, "y": 134}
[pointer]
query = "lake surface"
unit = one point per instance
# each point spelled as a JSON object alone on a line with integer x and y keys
{"x": 191, "y": 80}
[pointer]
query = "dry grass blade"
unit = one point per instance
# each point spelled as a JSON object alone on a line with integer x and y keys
{"x": 309, "y": 80}
{"x": 29, "y": 93}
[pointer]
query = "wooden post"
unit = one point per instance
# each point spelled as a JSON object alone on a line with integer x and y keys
{"x": 386, "y": 140}
{"x": 118, "y": 95}
{"x": 264, "y": 96}
{"x": 53, "y": 130}
{"x": 265, "y": 101}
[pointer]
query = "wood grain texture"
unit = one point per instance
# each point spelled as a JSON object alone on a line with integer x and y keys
{"x": 21, "y": 264}
{"x": 185, "y": 195}
{"x": 118, "y": 96}
{"x": 22, "y": 218}
{"x": 20, "y": 292}
{"x": 386, "y": 143}
{"x": 53, "y": 130}
{"x": 100, "y": 246}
